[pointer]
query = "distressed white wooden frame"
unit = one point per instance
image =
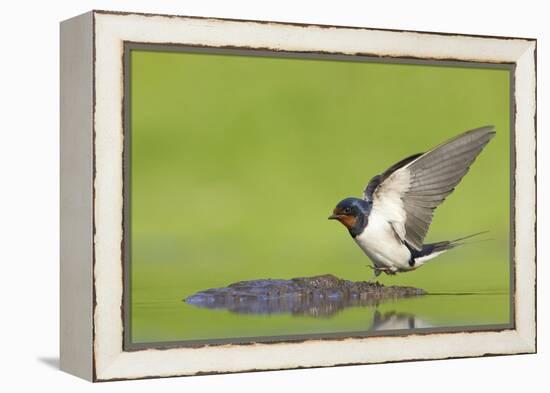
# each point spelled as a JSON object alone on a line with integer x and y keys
{"x": 92, "y": 119}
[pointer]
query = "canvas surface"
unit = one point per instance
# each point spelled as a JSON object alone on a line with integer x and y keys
{"x": 236, "y": 162}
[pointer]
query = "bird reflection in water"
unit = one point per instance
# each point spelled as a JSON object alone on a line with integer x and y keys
{"x": 393, "y": 320}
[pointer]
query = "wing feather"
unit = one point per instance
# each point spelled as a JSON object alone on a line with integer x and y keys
{"x": 407, "y": 193}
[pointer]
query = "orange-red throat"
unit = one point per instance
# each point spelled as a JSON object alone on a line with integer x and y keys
{"x": 347, "y": 219}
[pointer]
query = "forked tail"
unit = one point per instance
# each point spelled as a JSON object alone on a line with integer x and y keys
{"x": 432, "y": 250}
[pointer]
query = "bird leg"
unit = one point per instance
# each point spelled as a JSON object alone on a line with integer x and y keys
{"x": 389, "y": 271}
{"x": 376, "y": 271}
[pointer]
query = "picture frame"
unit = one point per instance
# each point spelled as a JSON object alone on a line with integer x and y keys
{"x": 95, "y": 155}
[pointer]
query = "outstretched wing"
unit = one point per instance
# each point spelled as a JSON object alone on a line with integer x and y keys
{"x": 407, "y": 193}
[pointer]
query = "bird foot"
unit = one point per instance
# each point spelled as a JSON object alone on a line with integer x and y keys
{"x": 380, "y": 270}
{"x": 377, "y": 271}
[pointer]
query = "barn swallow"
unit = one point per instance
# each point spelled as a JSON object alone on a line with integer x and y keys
{"x": 390, "y": 222}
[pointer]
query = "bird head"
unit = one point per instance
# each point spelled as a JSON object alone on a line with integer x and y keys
{"x": 349, "y": 211}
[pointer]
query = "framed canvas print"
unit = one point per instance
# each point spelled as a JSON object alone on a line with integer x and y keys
{"x": 245, "y": 195}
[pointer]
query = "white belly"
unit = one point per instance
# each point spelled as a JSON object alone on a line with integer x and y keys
{"x": 382, "y": 246}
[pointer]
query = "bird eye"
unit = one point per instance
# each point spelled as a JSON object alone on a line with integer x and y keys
{"x": 347, "y": 210}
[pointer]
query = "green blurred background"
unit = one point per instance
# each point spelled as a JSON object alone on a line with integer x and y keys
{"x": 236, "y": 162}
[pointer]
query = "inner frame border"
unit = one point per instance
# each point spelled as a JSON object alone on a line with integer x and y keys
{"x": 129, "y": 46}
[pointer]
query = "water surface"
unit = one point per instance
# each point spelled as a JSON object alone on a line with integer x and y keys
{"x": 176, "y": 320}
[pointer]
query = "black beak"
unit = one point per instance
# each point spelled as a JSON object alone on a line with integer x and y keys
{"x": 333, "y": 217}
